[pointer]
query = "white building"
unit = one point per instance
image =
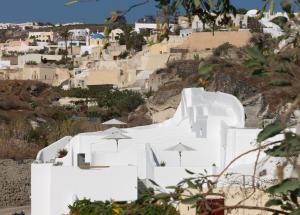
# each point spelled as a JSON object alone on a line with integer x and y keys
{"x": 212, "y": 123}
{"x": 266, "y": 21}
{"x": 197, "y": 26}
{"x": 4, "y": 64}
{"x": 114, "y": 35}
{"x": 80, "y": 76}
{"x": 79, "y": 34}
{"x": 138, "y": 27}
{"x": 44, "y": 36}
{"x": 77, "y": 43}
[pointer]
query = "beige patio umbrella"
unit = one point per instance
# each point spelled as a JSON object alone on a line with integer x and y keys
{"x": 117, "y": 136}
{"x": 180, "y": 148}
{"x": 114, "y": 122}
{"x": 113, "y": 130}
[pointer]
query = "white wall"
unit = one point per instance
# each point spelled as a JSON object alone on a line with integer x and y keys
{"x": 40, "y": 189}
{"x": 55, "y": 187}
{"x": 23, "y": 59}
{"x": 50, "y": 152}
{"x": 139, "y": 26}
{"x": 4, "y": 64}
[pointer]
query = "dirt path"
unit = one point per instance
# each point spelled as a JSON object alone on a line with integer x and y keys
{"x": 10, "y": 211}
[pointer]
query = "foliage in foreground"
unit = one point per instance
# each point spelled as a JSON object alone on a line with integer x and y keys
{"x": 147, "y": 204}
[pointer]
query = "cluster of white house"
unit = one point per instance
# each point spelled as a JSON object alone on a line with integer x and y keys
{"x": 209, "y": 125}
{"x": 96, "y": 63}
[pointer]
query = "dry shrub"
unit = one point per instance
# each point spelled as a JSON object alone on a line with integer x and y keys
{"x": 71, "y": 128}
{"x": 13, "y": 144}
{"x": 18, "y": 150}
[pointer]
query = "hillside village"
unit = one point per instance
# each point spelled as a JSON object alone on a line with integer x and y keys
{"x": 58, "y": 83}
{"x": 96, "y": 59}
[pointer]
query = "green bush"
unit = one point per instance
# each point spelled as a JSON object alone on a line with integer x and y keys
{"x": 259, "y": 72}
{"x": 124, "y": 55}
{"x": 86, "y": 207}
{"x": 254, "y": 25}
{"x": 126, "y": 100}
{"x": 280, "y": 21}
{"x": 116, "y": 100}
{"x": 280, "y": 83}
{"x": 222, "y": 49}
{"x": 205, "y": 71}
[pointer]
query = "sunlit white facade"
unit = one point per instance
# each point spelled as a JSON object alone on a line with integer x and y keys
{"x": 212, "y": 123}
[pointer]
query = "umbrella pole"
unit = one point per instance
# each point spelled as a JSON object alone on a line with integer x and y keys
{"x": 179, "y": 158}
{"x": 117, "y": 145}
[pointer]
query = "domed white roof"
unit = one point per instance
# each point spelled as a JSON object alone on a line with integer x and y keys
{"x": 252, "y": 13}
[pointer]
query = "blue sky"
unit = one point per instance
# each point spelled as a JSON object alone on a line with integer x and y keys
{"x": 93, "y": 12}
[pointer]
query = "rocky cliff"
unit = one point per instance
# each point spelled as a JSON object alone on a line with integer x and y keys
{"x": 264, "y": 95}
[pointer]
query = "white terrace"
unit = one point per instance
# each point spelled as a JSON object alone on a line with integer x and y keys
{"x": 211, "y": 123}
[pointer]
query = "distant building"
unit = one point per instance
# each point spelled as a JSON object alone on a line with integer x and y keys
{"x": 79, "y": 34}
{"x": 14, "y": 46}
{"x": 183, "y": 22}
{"x": 74, "y": 43}
{"x": 103, "y": 77}
{"x": 186, "y": 29}
{"x": 48, "y": 74}
{"x": 41, "y": 36}
{"x": 149, "y": 23}
{"x": 95, "y": 39}
{"x": 37, "y": 58}
{"x": 197, "y": 24}
{"x": 80, "y": 75}
{"x": 186, "y": 32}
{"x": 114, "y": 35}
{"x": 4, "y": 64}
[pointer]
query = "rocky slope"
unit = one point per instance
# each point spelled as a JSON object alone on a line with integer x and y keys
{"x": 25, "y": 99}
{"x": 263, "y": 99}
{"x": 14, "y": 183}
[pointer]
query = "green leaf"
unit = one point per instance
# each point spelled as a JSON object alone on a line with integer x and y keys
{"x": 255, "y": 54}
{"x": 197, "y": 3}
{"x": 252, "y": 63}
{"x": 171, "y": 187}
{"x": 191, "y": 200}
{"x": 212, "y": 3}
{"x": 162, "y": 196}
{"x": 295, "y": 212}
{"x": 191, "y": 184}
{"x": 270, "y": 131}
{"x": 290, "y": 146}
{"x": 285, "y": 186}
{"x": 259, "y": 72}
{"x": 294, "y": 196}
{"x": 153, "y": 182}
{"x": 286, "y": 6}
{"x": 189, "y": 172}
{"x": 273, "y": 202}
{"x": 205, "y": 70}
{"x": 272, "y": 7}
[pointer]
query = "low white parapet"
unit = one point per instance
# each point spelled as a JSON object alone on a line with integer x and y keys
{"x": 56, "y": 187}
{"x": 50, "y": 152}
